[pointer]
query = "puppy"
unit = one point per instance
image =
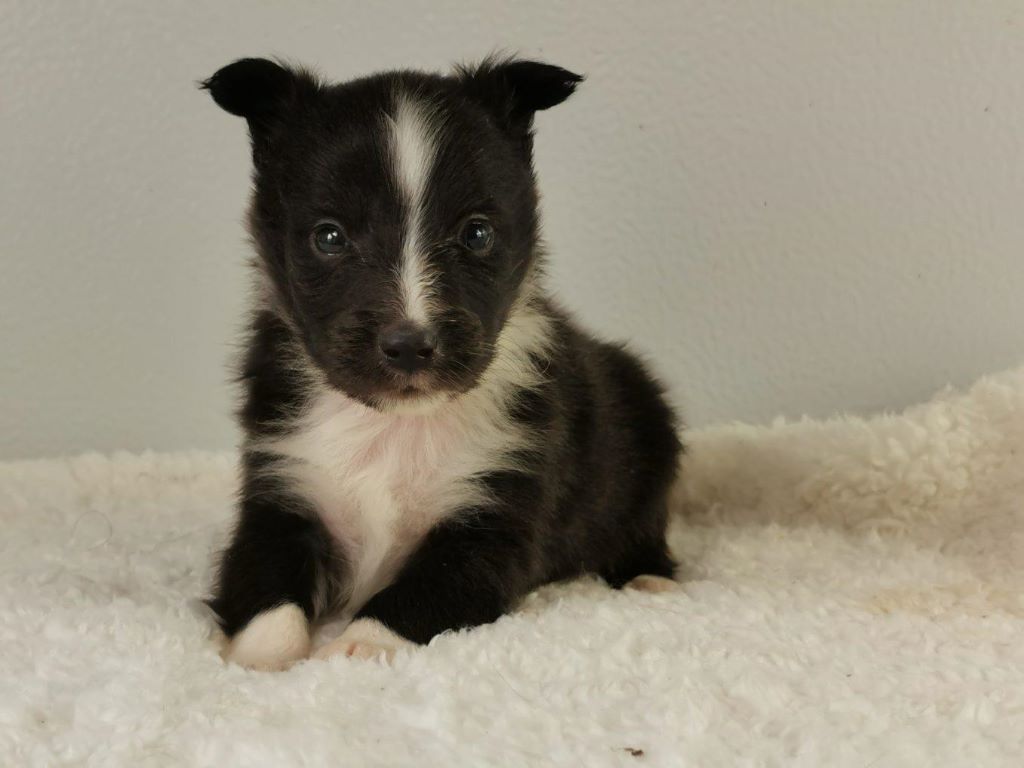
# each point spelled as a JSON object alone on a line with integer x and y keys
{"x": 427, "y": 436}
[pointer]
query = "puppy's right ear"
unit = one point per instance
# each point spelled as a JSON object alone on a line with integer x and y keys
{"x": 261, "y": 91}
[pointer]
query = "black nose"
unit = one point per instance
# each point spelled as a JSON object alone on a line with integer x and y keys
{"x": 408, "y": 347}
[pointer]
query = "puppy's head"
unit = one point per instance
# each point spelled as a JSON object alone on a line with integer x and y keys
{"x": 396, "y": 215}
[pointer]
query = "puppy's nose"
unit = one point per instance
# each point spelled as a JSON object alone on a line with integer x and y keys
{"x": 408, "y": 347}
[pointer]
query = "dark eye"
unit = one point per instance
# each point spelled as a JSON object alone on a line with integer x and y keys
{"x": 328, "y": 238}
{"x": 477, "y": 235}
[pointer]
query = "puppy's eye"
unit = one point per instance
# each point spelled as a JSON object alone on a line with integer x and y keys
{"x": 477, "y": 235}
{"x": 328, "y": 238}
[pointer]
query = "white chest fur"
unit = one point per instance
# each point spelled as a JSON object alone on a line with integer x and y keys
{"x": 381, "y": 481}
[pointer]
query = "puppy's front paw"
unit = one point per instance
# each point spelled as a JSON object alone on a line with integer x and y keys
{"x": 272, "y": 641}
{"x": 364, "y": 639}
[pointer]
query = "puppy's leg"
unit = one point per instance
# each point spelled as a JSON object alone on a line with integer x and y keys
{"x": 267, "y": 580}
{"x": 467, "y": 572}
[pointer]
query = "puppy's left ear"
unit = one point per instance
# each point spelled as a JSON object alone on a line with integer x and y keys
{"x": 513, "y": 89}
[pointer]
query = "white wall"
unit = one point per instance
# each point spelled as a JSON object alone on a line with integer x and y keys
{"x": 792, "y": 207}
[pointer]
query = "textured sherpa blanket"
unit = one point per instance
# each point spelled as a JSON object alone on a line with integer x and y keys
{"x": 852, "y": 595}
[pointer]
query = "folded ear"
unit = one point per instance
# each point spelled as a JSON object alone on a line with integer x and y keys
{"x": 514, "y": 89}
{"x": 261, "y": 91}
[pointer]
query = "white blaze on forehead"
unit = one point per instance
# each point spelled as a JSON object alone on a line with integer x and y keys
{"x": 413, "y": 149}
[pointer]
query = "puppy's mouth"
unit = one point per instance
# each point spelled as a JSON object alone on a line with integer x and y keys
{"x": 411, "y": 401}
{"x": 389, "y": 389}
{"x": 411, "y": 385}
{"x": 418, "y": 392}
{"x": 410, "y": 394}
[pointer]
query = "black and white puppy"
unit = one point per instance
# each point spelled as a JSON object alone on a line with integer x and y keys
{"x": 427, "y": 437}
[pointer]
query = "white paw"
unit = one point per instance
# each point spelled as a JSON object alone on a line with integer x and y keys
{"x": 364, "y": 639}
{"x": 273, "y": 640}
{"x": 654, "y": 584}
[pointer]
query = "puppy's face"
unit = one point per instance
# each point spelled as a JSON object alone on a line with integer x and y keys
{"x": 395, "y": 216}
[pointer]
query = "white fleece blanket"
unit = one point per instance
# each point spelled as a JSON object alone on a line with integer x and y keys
{"x": 852, "y": 596}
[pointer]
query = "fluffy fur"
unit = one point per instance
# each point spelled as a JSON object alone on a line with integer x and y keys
{"x": 428, "y": 438}
{"x": 853, "y": 597}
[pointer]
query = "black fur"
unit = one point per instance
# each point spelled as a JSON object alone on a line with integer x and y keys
{"x": 589, "y": 495}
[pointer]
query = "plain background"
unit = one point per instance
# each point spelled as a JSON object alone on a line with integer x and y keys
{"x": 790, "y": 208}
